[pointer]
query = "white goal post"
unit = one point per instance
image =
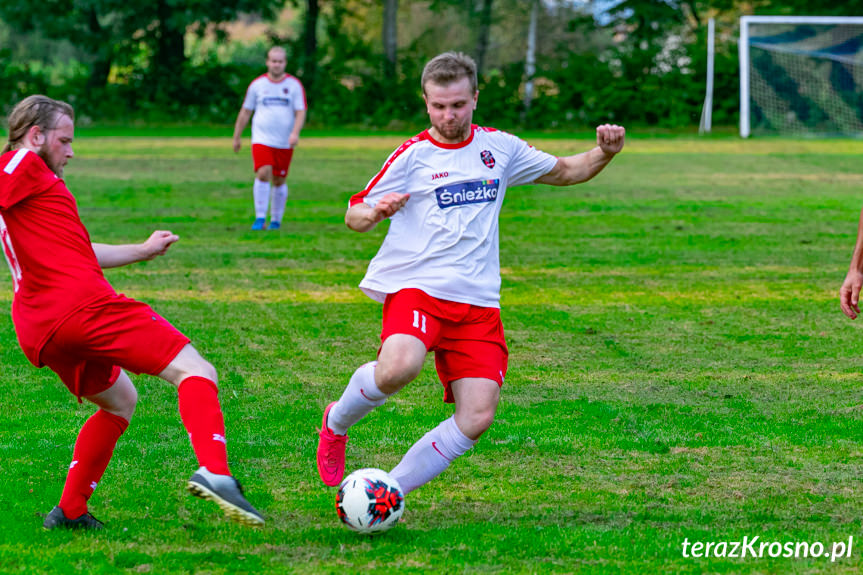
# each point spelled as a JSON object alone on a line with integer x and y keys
{"x": 801, "y": 75}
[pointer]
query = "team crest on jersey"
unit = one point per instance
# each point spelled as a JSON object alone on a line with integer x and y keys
{"x": 465, "y": 193}
{"x": 487, "y": 159}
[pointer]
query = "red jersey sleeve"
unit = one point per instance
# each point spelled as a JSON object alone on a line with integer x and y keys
{"x": 23, "y": 174}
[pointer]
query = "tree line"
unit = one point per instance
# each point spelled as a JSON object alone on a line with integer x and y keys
{"x": 544, "y": 64}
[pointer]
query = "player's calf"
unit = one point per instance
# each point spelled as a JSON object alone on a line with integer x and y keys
{"x": 431, "y": 455}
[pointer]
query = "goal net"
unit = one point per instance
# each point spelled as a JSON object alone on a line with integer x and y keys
{"x": 801, "y": 76}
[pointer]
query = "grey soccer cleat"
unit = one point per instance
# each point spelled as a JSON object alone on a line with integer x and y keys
{"x": 225, "y": 491}
{"x": 57, "y": 519}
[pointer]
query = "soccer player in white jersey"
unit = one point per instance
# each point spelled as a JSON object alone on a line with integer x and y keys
{"x": 437, "y": 272}
{"x": 278, "y": 102}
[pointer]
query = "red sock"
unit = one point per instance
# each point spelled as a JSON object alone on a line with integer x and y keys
{"x": 93, "y": 450}
{"x": 202, "y": 417}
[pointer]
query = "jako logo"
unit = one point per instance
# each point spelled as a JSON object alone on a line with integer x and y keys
{"x": 440, "y": 175}
{"x": 476, "y": 192}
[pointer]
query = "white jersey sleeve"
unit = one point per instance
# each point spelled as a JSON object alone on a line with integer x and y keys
{"x": 528, "y": 163}
{"x": 250, "y": 102}
{"x": 392, "y": 177}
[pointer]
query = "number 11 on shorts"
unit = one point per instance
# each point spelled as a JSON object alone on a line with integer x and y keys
{"x": 420, "y": 321}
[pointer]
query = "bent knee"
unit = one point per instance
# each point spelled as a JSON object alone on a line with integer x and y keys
{"x": 202, "y": 369}
{"x": 475, "y": 422}
{"x": 265, "y": 173}
{"x": 210, "y": 372}
{"x": 482, "y": 420}
{"x": 126, "y": 412}
{"x": 123, "y": 405}
{"x": 206, "y": 370}
{"x": 487, "y": 419}
{"x": 392, "y": 375}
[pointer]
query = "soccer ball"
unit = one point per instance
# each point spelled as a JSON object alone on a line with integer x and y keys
{"x": 369, "y": 501}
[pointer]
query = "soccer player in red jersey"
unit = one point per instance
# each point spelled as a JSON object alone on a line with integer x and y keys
{"x": 438, "y": 272}
{"x": 68, "y": 317}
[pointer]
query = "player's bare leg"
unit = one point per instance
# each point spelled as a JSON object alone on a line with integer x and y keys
{"x": 93, "y": 450}
{"x": 399, "y": 362}
{"x": 201, "y": 413}
{"x": 476, "y": 402}
{"x": 119, "y": 399}
{"x": 188, "y": 363}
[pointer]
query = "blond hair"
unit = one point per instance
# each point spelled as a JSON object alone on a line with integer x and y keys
{"x": 449, "y": 67}
{"x": 32, "y": 111}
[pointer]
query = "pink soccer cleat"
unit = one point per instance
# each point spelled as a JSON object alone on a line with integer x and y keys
{"x": 331, "y": 453}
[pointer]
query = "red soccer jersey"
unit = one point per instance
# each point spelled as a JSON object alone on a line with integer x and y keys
{"x": 54, "y": 268}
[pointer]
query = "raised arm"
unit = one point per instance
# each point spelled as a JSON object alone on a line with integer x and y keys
{"x": 579, "y": 168}
{"x": 362, "y": 217}
{"x": 240, "y": 125}
{"x": 112, "y": 256}
{"x": 849, "y": 293}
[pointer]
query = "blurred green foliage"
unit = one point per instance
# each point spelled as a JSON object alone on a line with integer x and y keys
{"x": 636, "y": 62}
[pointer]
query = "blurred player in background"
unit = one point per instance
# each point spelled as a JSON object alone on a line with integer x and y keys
{"x": 68, "y": 317}
{"x": 437, "y": 272}
{"x": 278, "y": 102}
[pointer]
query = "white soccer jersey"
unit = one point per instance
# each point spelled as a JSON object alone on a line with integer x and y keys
{"x": 274, "y": 104}
{"x": 444, "y": 241}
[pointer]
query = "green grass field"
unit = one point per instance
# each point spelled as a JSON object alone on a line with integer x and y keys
{"x": 679, "y": 369}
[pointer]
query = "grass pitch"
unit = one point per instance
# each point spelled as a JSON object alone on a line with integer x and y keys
{"x": 679, "y": 369}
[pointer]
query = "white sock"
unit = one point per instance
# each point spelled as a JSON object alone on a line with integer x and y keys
{"x": 261, "y": 191}
{"x": 428, "y": 457}
{"x": 277, "y": 205}
{"x": 359, "y": 398}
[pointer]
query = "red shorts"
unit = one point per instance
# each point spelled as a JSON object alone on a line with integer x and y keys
{"x": 468, "y": 340}
{"x": 88, "y": 350}
{"x": 279, "y": 158}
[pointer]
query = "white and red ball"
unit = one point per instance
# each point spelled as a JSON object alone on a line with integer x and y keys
{"x": 370, "y": 500}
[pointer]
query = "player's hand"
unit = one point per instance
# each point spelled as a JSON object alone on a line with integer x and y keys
{"x": 849, "y": 294}
{"x": 388, "y": 205}
{"x": 293, "y": 140}
{"x": 158, "y": 243}
{"x": 610, "y": 137}
{"x": 237, "y": 145}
